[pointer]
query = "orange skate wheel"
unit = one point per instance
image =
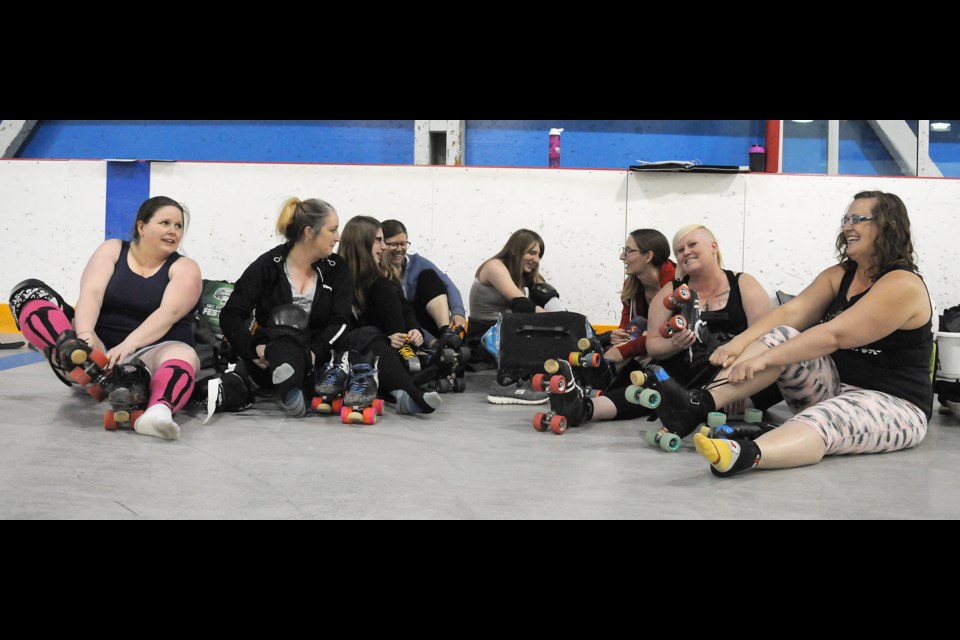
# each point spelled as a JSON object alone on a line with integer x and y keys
{"x": 665, "y": 330}
{"x": 96, "y": 392}
{"x": 378, "y": 406}
{"x": 594, "y": 360}
{"x": 100, "y": 358}
{"x": 79, "y": 376}
{"x": 558, "y": 424}
{"x": 537, "y": 382}
{"x": 134, "y": 416}
{"x": 574, "y": 358}
{"x": 677, "y": 323}
{"x": 538, "y": 421}
{"x": 558, "y": 384}
{"x": 345, "y": 414}
{"x": 108, "y": 421}
{"x": 336, "y": 405}
{"x": 683, "y": 293}
{"x": 369, "y": 416}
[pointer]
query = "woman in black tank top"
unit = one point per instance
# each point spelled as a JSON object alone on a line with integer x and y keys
{"x": 851, "y": 354}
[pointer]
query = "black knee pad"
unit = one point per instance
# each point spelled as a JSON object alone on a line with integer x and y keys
{"x": 543, "y": 293}
{"x": 522, "y": 305}
{"x": 28, "y": 290}
{"x": 287, "y": 323}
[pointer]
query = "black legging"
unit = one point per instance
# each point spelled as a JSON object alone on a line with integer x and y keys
{"x": 429, "y": 286}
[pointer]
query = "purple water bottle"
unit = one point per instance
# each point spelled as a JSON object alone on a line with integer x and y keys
{"x": 555, "y": 147}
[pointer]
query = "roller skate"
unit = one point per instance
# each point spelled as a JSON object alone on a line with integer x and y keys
{"x": 128, "y": 389}
{"x": 686, "y": 303}
{"x": 360, "y": 402}
{"x": 718, "y": 427}
{"x": 569, "y": 406}
{"x": 680, "y": 410}
{"x": 331, "y": 385}
{"x": 230, "y": 391}
{"x": 408, "y": 353}
{"x": 446, "y": 365}
{"x": 80, "y": 363}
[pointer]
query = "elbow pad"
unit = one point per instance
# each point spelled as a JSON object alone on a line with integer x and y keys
{"x": 522, "y": 305}
{"x": 543, "y": 293}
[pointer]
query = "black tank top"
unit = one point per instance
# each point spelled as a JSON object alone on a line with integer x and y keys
{"x": 723, "y": 325}
{"x": 130, "y": 299}
{"x": 898, "y": 364}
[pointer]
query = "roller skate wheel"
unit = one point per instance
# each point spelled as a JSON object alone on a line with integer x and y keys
{"x": 669, "y": 442}
{"x": 378, "y": 406}
{"x": 121, "y": 416}
{"x": 336, "y": 405}
{"x": 96, "y": 392}
{"x": 537, "y": 382}
{"x": 551, "y": 366}
{"x": 443, "y": 385}
{"x": 677, "y": 323}
{"x": 78, "y": 356}
{"x": 583, "y": 344}
{"x": 538, "y": 421}
{"x": 345, "y": 414}
{"x": 79, "y": 376}
{"x": 134, "y": 416}
{"x": 716, "y": 418}
{"x": 683, "y": 293}
{"x": 108, "y": 421}
{"x": 369, "y": 416}
{"x": 574, "y": 358}
{"x": 652, "y": 437}
{"x": 315, "y": 403}
{"x": 594, "y": 360}
{"x": 558, "y": 424}
{"x": 460, "y": 386}
{"x": 638, "y": 378}
{"x": 558, "y": 384}
{"x": 706, "y": 431}
{"x": 649, "y": 398}
{"x": 100, "y": 358}
{"x": 753, "y": 416}
{"x": 665, "y": 331}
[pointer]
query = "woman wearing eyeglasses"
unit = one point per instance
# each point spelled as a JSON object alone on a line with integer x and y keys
{"x": 436, "y": 301}
{"x": 851, "y": 354}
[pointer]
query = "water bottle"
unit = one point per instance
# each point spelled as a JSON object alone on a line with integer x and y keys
{"x": 757, "y": 158}
{"x": 554, "y": 154}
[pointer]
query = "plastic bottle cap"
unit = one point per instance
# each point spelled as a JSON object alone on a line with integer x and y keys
{"x": 556, "y": 132}
{"x": 756, "y": 149}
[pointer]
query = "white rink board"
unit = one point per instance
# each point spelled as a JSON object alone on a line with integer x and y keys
{"x": 52, "y": 217}
{"x": 780, "y": 228}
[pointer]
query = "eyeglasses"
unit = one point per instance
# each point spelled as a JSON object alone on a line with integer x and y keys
{"x": 398, "y": 245}
{"x": 626, "y": 251}
{"x": 853, "y": 220}
{"x": 379, "y": 240}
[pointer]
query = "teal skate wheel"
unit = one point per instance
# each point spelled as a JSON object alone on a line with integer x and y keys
{"x": 716, "y": 418}
{"x": 669, "y": 442}
{"x": 651, "y": 437}
{"x": 753, "y": 416}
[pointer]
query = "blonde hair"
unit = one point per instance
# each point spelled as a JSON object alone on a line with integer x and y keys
{"x": 296, "y": 215}
{"x": 678, "y": 236}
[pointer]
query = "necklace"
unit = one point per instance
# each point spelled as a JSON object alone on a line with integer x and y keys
{"x": 706, "y": 302}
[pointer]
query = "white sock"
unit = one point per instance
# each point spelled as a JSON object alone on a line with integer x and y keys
{"x": 158, "y": 421}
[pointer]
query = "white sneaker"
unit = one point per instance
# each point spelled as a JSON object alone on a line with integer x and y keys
{"x": 158, "y": 421}
{"x": 518, "y": 393}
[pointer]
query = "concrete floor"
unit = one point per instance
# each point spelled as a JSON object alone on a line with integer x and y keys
{"x": 470, "y": 460}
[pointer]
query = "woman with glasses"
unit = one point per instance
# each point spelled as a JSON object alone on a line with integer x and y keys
{"x": 647, "y": 264}
{"x": 851, "y": 354}
{"x": 729, "y": 303}
{"x": 437, "y": 303}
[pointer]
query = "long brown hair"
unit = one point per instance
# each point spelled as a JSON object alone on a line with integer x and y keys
{"x": 893, "y": 245}
{"x": 512, "y": 257}
{"x": 356, "y": 247}
{"x": 647, "y": 240}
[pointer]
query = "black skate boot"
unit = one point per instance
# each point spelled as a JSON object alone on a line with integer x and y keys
{"x": 128, "y": 389}
{"x": 73, "y": 359}
{"x": 331, "y": 385}
{"x": 408, "y": 353}
{"x": 230, "y": 391}
{"x": 360, "y": 402}
{"x": 569, "y": 404}
{"x": 680, "y": 410}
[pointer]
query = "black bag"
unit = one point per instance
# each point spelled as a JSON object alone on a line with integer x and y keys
{"x": 210, "y": 344}
{"x": 950, "y": 320}
{"x": 527, "y": 340}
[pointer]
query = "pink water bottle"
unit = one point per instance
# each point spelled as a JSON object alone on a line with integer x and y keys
{"x": 757, "y": 158}
{"x": 555, "y": 147}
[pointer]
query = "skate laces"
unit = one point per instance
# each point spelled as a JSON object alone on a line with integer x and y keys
{"x": 406, "y": 352}
{"x": 332, "y": 375}
{"x": 360, "y": 377}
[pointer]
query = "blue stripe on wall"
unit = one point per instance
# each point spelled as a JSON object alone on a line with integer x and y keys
{"x": 20, "y": 359}
{"x": 128, "y": 185}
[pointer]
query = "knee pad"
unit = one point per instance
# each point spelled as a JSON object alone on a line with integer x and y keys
{"x": 30, "y": 290}
{"x": 522, "y": 305}
{"x": 543, "y": 293}
{"x": 288, "y": 323}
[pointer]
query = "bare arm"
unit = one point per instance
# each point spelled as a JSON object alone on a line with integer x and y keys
{"x": 93, "y": 285}
{"x": 495, "y": 273}
{"x": 898, "y": 300}
{"x": 756, "y": 302}
{"x": 179, "y": 298}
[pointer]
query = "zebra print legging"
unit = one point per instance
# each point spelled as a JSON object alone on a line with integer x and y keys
{"x": 848, "y": 418}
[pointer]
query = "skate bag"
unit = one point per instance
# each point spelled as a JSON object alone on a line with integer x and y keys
{"x": 524, "y": 341}
{"x": 211, "y": 345}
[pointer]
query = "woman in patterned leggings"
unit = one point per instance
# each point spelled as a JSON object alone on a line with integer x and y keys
{"x": 851, "y": 354}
